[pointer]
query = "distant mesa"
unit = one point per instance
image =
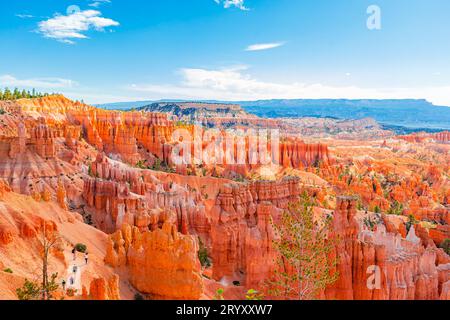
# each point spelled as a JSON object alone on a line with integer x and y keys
{"x": 402, "y": 116}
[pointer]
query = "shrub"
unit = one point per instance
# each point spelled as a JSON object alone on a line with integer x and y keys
{"x": 71, "y": 292}
{"x": 396, "y": 208}
{"x": 142, "y": 164}
{"x": 81, "y": 247}
{"x": 219, "y": 294}
{"x": 138, "y": 296}
{"x": 205, "y": 261}
{"x": 254, "y": 295}
{"x": 446, "y": 246}
{"x": 369, "y": 223}
{"x": 29, "y": 291}
{"x": 411, "y": 221}
{"x": 8, "y": 270}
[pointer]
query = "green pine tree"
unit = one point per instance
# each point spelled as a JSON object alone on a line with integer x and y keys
{"x": 7, "y": 95}
{"x": 304, "y": 249}
{"x": 16, "y": 94}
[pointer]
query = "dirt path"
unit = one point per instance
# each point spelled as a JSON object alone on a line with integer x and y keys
{"x": 74, "y": 274}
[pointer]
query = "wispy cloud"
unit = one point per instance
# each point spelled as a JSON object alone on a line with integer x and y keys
{"x": 233, "y": 3}
{"x": 264, "y": 46}
{"x": 66, "y": 28}
{"x": 98, "y": 3}
{"x": 45, "y": 83}
{"x": 24, "y": 16}
{"x": 236, "y": 84}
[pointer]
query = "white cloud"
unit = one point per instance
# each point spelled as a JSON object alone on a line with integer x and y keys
{"x": 98, "y": 3}
{"x": 38, "y": 83}
{"x": 24, "y": 16}
{"x": 233, "y": 3}
{"x": 66, "y": 28}
{"x": 264, "y": 46}
{"x": 235, "y": 84}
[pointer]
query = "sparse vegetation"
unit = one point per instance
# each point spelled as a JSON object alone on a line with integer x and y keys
{"x": 254, "y": 295}
{"x": 81, "y": 247}
{"x": 157, "y": 165}
{"x": 396, "y": 208}
{"x": 29, "y": 291}
{"x": 239, "y": 178}
{"x": 219, "y": 294}
{"x": 446, "y": 246}
{"x": 205, "y": 261}
{"x": 8, "y": 270}
{"x": 371, "y": 221}
{"x": 71, "y": 292}
{"x": 181, "y": 123}
{"x": 138, "y": 297}
{"x": 16, "y": 94}
{"x": 411, "y": 222}
{"x": 34, "y": 291}
{"x": 141, "y": 164}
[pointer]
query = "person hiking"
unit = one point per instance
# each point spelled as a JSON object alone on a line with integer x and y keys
{"x": 86, "y": 257}
{"x": 74, "y": 252}
{"x": 75, "y": 268}
{"x": 72, "y": 281}
{"x": 64, "y": 285}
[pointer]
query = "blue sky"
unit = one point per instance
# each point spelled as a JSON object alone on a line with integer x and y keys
{"x": 117, "y": 50}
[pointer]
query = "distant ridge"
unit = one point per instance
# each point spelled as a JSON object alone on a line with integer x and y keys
{"x": 407, "y": 113}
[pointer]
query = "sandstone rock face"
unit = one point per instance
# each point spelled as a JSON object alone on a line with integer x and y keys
{"x": 61, "y": 195}
{"x": 144, "y": 202}
{"x": 43, "y": 139}
{"x": 4, "y": 188}
{"x": 298, "y": 155}
{"x": 241, "y": 234}
{"x": 441, "y": 137}
{"x": 376, "y": 265}
{"x": 100, "y": 289}
{"x": 161, "y": 263}
{"x": 445, "y": 295}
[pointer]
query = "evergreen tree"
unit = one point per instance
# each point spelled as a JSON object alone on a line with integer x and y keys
{"x": 16, "y": 94}
{"x": 29, "y": 291}
{"x": 304, "y": 250}
{"x": 7, "y": 95}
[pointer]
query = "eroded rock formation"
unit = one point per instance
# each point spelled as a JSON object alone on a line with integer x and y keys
{"x": 162, "y": 263}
